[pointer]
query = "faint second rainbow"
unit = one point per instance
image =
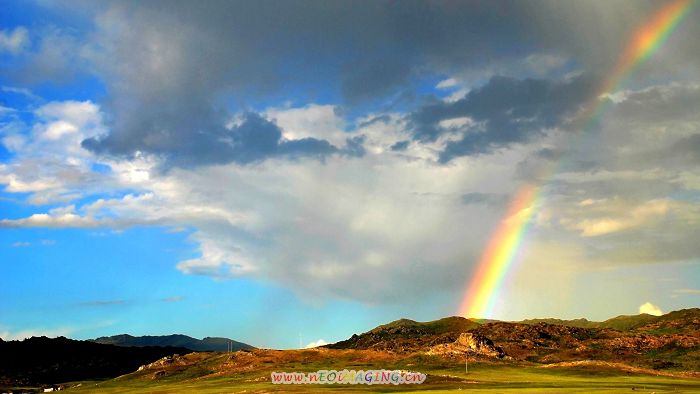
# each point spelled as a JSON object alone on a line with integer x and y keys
{"x": 484, "y": 287}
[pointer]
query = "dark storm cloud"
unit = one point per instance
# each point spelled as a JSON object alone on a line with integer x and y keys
{"x": 508, "y": 111}
{"x": 307, "y": 147}
{"x": 374, "y": 79}
{"x": 490, "y": 199}
{"x": 354, "y": 146}
{"x": 174, "y": 69}
{"x": 253, "y": 140}
{"x": 659, "y": 128}
{"x": 688, "y": 148}
{"x": 400, "y": 146}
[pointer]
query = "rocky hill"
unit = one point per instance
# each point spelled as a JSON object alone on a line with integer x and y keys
{"x": 408, "y": 336}
{"x": 671, "y": 341}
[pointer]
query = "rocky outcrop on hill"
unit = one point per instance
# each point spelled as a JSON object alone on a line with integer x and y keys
{"x": 471, "y": 344}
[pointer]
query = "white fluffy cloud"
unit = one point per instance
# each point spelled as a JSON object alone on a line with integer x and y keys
{"x": 315, "y": 121}
{"x": 394, "y": 221}
{"x": 49, "y": 161}
{"x": 317, "y": 343}
{"x": 632, "y": 217}
{"x": 650, "y": 309}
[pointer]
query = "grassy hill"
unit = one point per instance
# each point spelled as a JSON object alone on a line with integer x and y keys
{"x": 581, "y": 323}
{"x": 627, "y": 322}
{"x": 442, "y": 326}
{"x": 249, "y": 371}
{"x": 408, "y": 335}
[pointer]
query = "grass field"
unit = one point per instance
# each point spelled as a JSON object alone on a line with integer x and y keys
{"x": 443, "y": 376}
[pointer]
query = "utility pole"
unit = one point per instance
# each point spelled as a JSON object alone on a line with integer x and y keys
{"x": 466, "y": 362}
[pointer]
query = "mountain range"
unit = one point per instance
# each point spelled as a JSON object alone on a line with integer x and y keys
{"x": 208, "y": 344}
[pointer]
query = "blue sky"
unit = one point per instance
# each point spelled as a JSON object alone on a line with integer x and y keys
{"x": 318, "y": 168}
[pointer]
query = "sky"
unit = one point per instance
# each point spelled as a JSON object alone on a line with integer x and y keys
{"x": 291, "y": 173}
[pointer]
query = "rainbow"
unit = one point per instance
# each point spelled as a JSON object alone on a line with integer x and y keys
{"x": 484, "y": 287}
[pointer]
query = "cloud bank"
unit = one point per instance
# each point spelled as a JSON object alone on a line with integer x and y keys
{"x": 372, "y": 142}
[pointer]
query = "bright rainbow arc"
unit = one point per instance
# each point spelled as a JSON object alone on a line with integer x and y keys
{"x": 498, "y": 257}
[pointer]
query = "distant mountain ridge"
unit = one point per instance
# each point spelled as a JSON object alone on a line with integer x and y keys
{"x": 42, "y": 360}
{"x": 622, "y": 322}
{"x": 208, "y": 344}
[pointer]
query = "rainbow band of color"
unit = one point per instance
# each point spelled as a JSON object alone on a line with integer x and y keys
{"x": 497, "y": 260}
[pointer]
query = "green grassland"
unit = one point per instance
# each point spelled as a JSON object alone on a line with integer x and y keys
{"x": 443, "y": 375}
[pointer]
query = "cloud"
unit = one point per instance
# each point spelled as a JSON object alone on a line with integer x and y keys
{"x": 321, "y": 122}
{"x": 14, "y": 41}
{"x": 283, "y": 226}
{"x": 637, "y": 216}
{"x": 253, "y": 139}
{"x": 209, "y": 120}
{"x": 103, "y": 303}
{"x": 309, "y": 225}
{"x": 6, "y": 110}
{"x": 63, "y": 220}
{"x": 655, "y": 124}
{"x": 21, "y": 244}
{"x": 57, "y": 55}
{"x": 260, "y": 229}
{"x": 447, "y": 83}
{"x": 171, "y": 95}
{"x": 21, "y": 91}
{"x": 172, "y": 299}
{"x": 624, "y": 189}
{"x": 491, "y": 199}
{"x": 623, "y": 218}
{"x": 49, "y": 162}
{"x": 316, "y": 343}
{"x": 650, "y": 309}
{"x": 385, "y": 213}
{"x": 503, "y": 112}
{"x": 217, "y": 260}
{"x": 687, "y": 291}
{"x": 400, "y": 146}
